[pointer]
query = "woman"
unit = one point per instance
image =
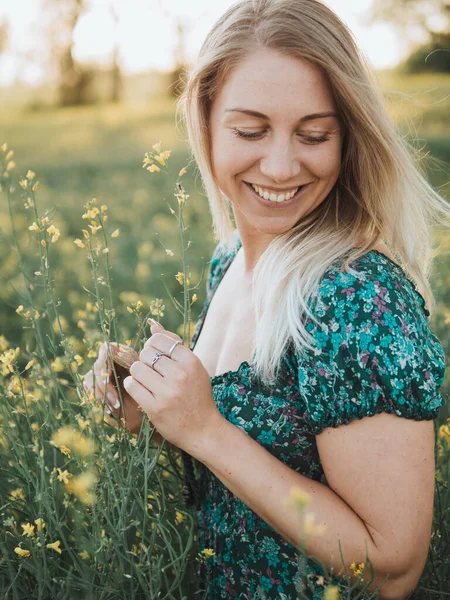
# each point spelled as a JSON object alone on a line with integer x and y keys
{"x": 312, "y": 364}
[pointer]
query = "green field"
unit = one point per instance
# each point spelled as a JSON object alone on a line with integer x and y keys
{"x": 97, "y": 152}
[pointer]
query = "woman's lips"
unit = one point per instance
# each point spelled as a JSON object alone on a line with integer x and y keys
{"x": 273, "y": 204}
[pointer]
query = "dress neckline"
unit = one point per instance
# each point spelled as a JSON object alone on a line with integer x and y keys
{"x": 245, "y": 365}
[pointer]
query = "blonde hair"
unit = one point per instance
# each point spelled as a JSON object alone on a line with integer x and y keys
{"x": 381, "y": 194}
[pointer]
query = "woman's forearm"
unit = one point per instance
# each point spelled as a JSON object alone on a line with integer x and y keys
{"x": 264, "y": 483}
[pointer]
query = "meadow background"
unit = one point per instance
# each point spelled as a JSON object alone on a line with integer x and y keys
{"x": 95, "y": 150}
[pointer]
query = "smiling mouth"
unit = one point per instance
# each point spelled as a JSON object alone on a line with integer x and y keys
{"x": 273, "y": 198}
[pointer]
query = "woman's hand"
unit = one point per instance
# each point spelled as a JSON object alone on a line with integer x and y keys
{"x": 175, "y": 393}
{"x": 129, "y": 412}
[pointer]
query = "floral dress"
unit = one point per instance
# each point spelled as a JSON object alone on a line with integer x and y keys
{"x": 376, "y": 354}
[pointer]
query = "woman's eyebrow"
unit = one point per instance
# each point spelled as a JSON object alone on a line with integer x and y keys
{"x": 259, "y": 115}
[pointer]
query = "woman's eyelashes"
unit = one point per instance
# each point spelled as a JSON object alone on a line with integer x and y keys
{"x": 257, "y": 135}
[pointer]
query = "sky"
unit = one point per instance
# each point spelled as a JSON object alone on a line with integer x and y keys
{"x": 145, "y": 34}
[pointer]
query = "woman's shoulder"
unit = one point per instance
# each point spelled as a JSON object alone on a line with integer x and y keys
{"x": 373, "y": 280}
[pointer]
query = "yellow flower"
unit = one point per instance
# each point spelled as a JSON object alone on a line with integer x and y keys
{"x": 30, "y": 175}
{"x": 310, "y": 529}
{"x": 23, "y": 184}
{"x": 208, "y": 553}
{"x": 19, "y": 309}
{"x": 21, "y": 552}
{"x": 115, "y": 233}
{"x": 55, "y": 546}
{"x": 153, "y": 169}
{"x": 28, "y": 529}
{"x": 65, "y": 450}
{"x": 4, "y": 147}
{"x": 194, "y": 298}
{"x": 95, "y": 228}
{"x": 86, "y": 233}
{"x": 298, "y": 497}
{"x": 30, "y": 364}
{"x": 35, "y": 227}
{"x": 69, "y": 436}
{"x": 180, "y": 277}
{"x": 79, "y": 243}
{"x": 182, "y": 172}
{"x": 179, "y": 517}
{"x": 11, "y": 165}
{"x": 331, "y": 593}
{"x": 43, "y": 243}
{"x": 35, "y": 186}
{"x": 81, "y": 487}
{"x": 10, "y": 155}
{"x": 91, "y": 214}
{"x": 84, "y": 554}
{"x": 57, "y": 365}
{"x": 40, "y": 524}
{"x": 157, "y": 147}
{"x": 54, "y": 232}
{"x": 444, "y": 433}
{"x": 63, "y": 475}
{"x": 103, "y": 208}
{"x": 15, "y": 494}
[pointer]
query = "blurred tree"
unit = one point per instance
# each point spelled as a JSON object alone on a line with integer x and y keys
{"x": 116, "y": 74}
{"x": 4, "y": 31}
{"x": 74, "y": 80}
{"x": 429, "y": 18}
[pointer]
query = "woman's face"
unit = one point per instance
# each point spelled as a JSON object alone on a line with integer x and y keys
{"x": 295, "y": 140}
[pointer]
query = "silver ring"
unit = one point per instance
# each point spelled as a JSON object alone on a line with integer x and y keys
{"x": 172, "y": 348}
{"x": 155, "y": 358}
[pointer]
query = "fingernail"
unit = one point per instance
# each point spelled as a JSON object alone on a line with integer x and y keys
{"x": 106, "y": 380}
{"x": 113, "y": 400}
{"x": 152, "y": 321}
{"x": 107, "y": 410}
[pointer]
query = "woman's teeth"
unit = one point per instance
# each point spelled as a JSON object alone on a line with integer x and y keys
{"x": 274, "y": 197}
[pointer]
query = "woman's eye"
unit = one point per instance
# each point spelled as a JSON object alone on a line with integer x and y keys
{"x": 257, "y": 134}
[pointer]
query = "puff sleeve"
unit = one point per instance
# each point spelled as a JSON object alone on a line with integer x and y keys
{"x": 375, "y": 350}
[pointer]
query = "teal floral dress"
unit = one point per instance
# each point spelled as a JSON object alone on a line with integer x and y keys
{"x": 376, "y": 353}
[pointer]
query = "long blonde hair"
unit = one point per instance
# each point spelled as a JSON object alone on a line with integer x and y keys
{"x": 381, "y": 194}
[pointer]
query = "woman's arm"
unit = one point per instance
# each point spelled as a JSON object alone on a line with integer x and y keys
{"x": 383, "y": 477}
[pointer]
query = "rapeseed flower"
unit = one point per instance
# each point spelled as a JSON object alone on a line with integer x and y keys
{"x": 39, "y": 524}
{"x": 331, "y": 593}
{"x": 63, "y": 475}
{"x": 54, "y": 232}
{"x": 17, "y": 494}
{"x": 179, "y": 517}
{"x": 309, "y": 527}
{"x": 115, "y": 233}
{"x": 55, "y": 546}
{"x": 81, "y": 487}
{"x": 75, "y": 440}
{"x": 21, "y": 552}
{"x": 298, "y": 497}
{"x": 28, "y": 529}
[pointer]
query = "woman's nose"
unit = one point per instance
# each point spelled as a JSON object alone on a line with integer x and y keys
{"x": 280, "y": 164}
